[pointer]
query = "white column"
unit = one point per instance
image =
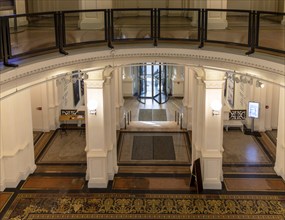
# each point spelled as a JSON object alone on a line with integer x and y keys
{"x": 96, "y": 145}
{"x": 198, "y": 118}
{"x": 16, "y": 139}
{"x": 52, "y": 107}
{"x": 127, "y": 81}
{"x": 57, "y": 100}
{"x": 262, "y": 100}
{"x": 259, "y": 95}
{"x": 110, "y": 127}
{"x": 275, "y": 107}
{"x": 249, "y": 97}
{"x": 280, "y": 150}
{"x": 187, "y": 100}
{"x": 101, "y": 152}
{"x": 119, "y": 100}
{"x": 113, "y": 165}
{"x": 213, "y": 133}
{"x": 178, "y": 82}
{"x": 217, "y": 20}
{"x": 93, "y": 20}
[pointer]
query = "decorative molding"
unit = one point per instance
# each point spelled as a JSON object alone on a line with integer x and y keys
{"x": 191, "y": 55}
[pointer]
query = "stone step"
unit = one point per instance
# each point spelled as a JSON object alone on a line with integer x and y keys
{"x": 153, "y": 125}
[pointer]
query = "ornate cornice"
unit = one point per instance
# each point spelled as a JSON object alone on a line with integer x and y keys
{"x": 183, "y": 56}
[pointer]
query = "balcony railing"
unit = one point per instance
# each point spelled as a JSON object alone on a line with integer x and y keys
{"x": 44, "y": 32}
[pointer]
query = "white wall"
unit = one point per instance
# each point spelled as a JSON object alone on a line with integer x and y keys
{"x": 16, "y": 139}
{"x": 39, "y": 107}
{"x": 45, "y": 106}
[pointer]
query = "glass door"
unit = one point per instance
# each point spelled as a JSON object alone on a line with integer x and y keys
{"x": 160, "y": 84}
{"x": 142, "y": 84}
{"x": 152, "y": 83}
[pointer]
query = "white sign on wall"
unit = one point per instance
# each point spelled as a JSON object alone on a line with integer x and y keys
{"x": 253, "y": 109}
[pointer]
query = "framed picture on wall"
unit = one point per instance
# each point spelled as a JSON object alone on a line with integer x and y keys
{"x": 76, "y": 92}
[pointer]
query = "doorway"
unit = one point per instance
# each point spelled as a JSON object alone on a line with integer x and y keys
{"x": 153, "y": 83}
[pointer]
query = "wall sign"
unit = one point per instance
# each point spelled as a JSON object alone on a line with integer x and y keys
{"x": 253, "y": 109}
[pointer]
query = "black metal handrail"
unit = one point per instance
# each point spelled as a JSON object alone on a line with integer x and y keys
{"x": 250, "y": 30}
{"x": 155, "y": 27}
{"x": 151, "y": 28}
{"x": 160, "y": 11}
{"x": 6, "y": 34}
{"x": 64, "y": 32}
{"x": 257, "y": 28}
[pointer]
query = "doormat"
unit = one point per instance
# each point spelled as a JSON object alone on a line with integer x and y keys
{"x": 153, "y": 148}
{"x": 152, "y": 115}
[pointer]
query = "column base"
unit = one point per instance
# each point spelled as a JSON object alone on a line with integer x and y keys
{"x": 283, "y": 22}
{"x": 279, "y": 167}
{"x": 279, "y": 172}
{"x": 212, "y": 170}
{"x": 97, "y": 173}
{"x": 212, "y": 185}
{"x": 97, "y": 183}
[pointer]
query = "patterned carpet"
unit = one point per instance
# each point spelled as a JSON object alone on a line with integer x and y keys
{"x": 144, "y": 206}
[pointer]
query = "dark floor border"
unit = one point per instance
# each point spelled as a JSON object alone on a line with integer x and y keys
{"x": 271, "y": 137}
{"x": 264, "y": 148}
{"x": 246, "y": 165}
{"x": 154, "y": 164}
{"x": 252, "y": 176}
{"x": 38, "y": 137}
{"x": 46, "y": 145}
{"x": 153, "y": 175}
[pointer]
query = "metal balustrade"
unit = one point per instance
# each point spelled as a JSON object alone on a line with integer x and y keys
{"x": 45, "y": 32}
